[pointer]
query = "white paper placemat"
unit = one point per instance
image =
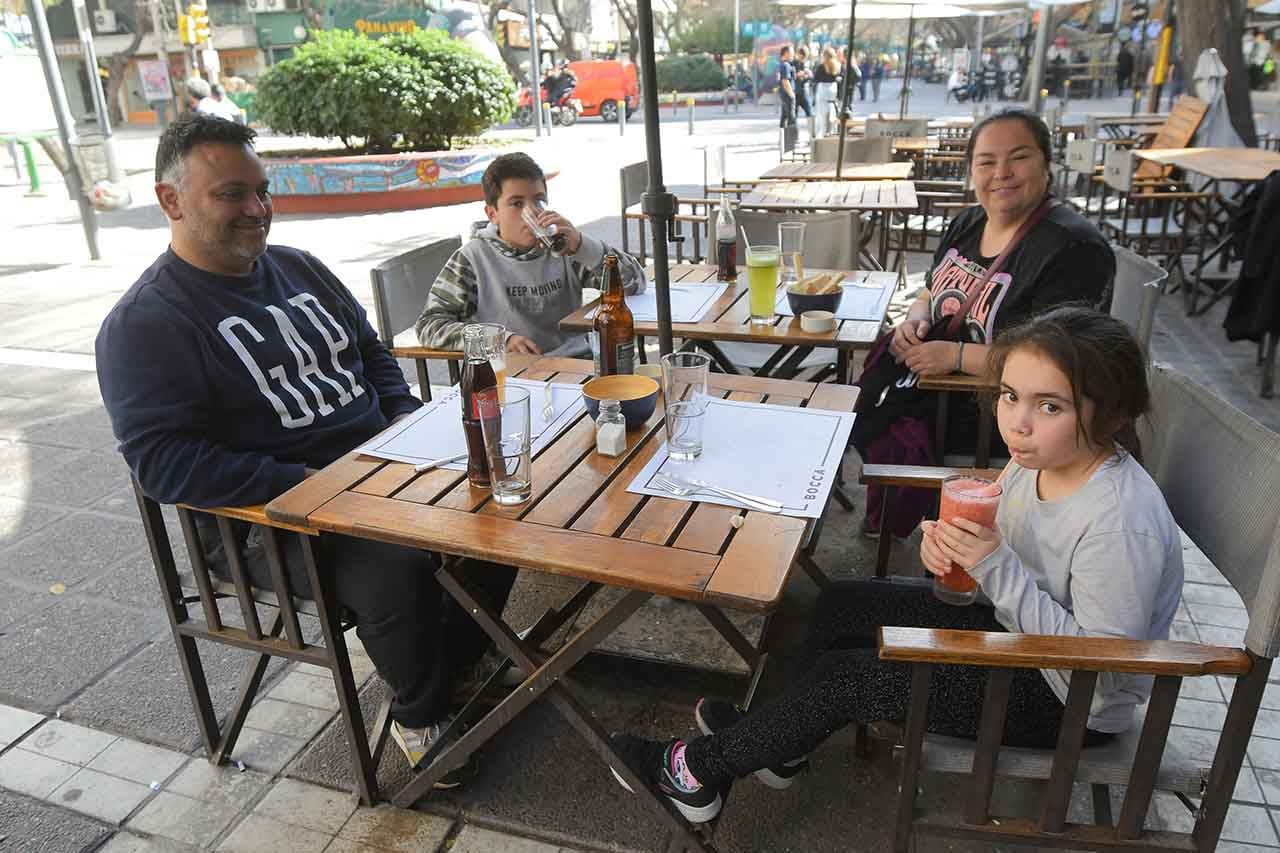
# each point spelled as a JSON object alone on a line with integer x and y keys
{"x": 864, "y": 299}
{"x": 689, "y": 302}
{"x": 781, "y": 452}
{"x": 435, "y": 430}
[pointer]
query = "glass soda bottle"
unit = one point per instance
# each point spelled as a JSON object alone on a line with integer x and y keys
{"x": 614, "y": 328}
{"x": 480, "y": 342}
{"x": 726, "y": 243}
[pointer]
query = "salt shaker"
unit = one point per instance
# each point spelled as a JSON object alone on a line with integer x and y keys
{"x": 611, "y": 429}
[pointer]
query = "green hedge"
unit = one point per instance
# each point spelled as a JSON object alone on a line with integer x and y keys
{"x": 698, "y": 73}
{"x": 417, "y": 91}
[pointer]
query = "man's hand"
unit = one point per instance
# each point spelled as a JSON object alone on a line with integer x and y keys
{"x": 907, "y": 334}
{"x": 964, "y": 542}
{"x": 563, "y": 226}
{"x": 521, "y": 344}
{"x": 931, "y": 358}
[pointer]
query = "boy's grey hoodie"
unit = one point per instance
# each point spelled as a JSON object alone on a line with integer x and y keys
{"x": 527, "y": 291}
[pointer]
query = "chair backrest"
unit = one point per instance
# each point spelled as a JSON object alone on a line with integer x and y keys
{"x": 872, "y": 150}
{"x": 1219, "y": 471}
{"x": 787, "y": 138}
{"x": 1176, "y": 132}
{"x": 714, "y": 161}
{"x": 401, "y": 285}
{"x": 1081, "y": 155}
{"x": 632, "y": 180}
{"x": 830, "y": 239}
{"x": 1138, "y": 285}
{"x": 896, "y": 127}
{"x": 1117, "y": 169}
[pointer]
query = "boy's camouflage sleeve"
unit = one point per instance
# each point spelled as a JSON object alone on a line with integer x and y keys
{"x": 450, "y": 304}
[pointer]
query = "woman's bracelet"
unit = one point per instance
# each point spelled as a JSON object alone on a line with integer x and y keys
{"x": 960, "y": 357}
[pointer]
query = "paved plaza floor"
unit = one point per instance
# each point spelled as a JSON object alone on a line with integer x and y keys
{"x": 98, "y": 742}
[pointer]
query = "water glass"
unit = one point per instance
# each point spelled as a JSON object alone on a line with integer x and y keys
{"x": 684, "y": 394}
{"x": 762, "y": 283}
{"x": 506, "y": 424}
{"x": 548, "y": 237}
{"x": 791, "y": 242}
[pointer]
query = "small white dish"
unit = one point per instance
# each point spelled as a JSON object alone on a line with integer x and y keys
{"x": 817, "y": 321}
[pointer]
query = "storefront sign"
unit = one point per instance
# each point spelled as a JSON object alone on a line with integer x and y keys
{"x": 155, "y": 80}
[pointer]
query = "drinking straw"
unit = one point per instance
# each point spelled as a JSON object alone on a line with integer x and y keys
{"x": 744, "y": 237}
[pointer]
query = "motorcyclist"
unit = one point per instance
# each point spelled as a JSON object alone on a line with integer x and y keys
{"x": 562, "y": 84}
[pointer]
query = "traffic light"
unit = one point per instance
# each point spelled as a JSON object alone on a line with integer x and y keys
{"x": 193, "y": 27}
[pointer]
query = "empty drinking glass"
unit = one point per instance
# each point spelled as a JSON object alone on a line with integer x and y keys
{"x": 549, "y": 237}
{"x": 684, "y": 393}
{"x": 791, "y": 243}
{"x": 505, "y": 422}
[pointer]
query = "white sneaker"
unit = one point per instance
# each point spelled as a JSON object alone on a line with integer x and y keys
{"x": 415, "y": 743}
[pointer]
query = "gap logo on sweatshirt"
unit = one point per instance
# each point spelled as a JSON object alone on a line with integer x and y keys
{"x": 325, "y": 381}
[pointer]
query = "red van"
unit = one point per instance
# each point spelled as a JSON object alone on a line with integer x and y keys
{"x": 604, "y": 85}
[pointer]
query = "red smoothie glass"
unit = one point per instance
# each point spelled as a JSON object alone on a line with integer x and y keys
{"x": 976, "y": 499}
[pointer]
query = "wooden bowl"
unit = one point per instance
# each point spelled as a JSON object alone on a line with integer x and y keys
{"x": 637, "y": 394}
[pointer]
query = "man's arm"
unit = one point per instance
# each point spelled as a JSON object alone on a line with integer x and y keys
{"x": 380, "y": 367}
{"x": 152, "y": 380}
{"x": 450, "y": 304}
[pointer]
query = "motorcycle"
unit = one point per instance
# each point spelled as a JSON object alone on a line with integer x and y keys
{"x": 564, "y": 112}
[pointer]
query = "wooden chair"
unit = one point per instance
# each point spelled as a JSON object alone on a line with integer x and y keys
{"x": 400, "y": 288}
{"x": 940, "y": 202}
{"x": 1218, "y": 471}
{"x": 180, "y": 591}
{"x": 1154, "y": 213}
{"x": 872, "y": 150}
{"x": 910, "y": 127}
{"x": 1134, "y": 297}
{"x": 692, "y": 222}
{"x": 788, "y": 144}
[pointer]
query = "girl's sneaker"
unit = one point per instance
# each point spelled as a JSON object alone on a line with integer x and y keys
{"x": 654, "y": 761}
{"x": 714, "y": 715}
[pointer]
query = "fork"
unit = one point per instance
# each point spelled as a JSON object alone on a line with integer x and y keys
{"x": 548, "y": 405}
{"x": 685, "y": 488}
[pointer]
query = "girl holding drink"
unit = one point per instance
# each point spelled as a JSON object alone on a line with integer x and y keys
{"x": 1083, "y": 545}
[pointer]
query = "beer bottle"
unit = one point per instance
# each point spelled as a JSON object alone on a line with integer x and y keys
{"x": 613, "y": 329}
{"x": 726, "y": 243}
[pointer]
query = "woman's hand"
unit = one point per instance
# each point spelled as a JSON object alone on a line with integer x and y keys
{"x": 909, "y": 333}
{"x": 965, "y": 543}
{"x": 931, "y": 358}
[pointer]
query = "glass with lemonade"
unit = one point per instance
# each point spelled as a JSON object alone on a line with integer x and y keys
{"x": 762, "y": 282}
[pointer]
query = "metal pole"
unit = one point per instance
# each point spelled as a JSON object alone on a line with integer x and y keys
{"x": 906, "y": 75}
{"x": 66, "y": 127}
{"x": 737, "y": 26}
{"x": 95, "y": 88}
{"x": 845, "y": 95}
{"x": 659, "y": 206}
{"x": 535, "y": 73}
{"x": 755, "y": 69}
{"x": 975, "y": 61}
{"x": 1038, "y": 61}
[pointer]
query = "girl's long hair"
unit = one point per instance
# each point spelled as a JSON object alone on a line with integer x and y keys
{"x": 1102, "y": 360}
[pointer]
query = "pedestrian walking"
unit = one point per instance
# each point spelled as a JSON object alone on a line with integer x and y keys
{"x": 877, "y": 75}
{"x": 804, "y": 77}
{"x": 786, "y": 88}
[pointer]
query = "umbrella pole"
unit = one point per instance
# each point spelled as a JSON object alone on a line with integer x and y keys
{"x": 659, "y": 206}
{"x": 906, "y": 75}
{"x": 845, "y": 97}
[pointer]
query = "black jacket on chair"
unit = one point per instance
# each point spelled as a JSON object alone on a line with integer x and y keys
{"x": 1255, "y": 306}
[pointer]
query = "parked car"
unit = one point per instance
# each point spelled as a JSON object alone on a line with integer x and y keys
{"x": 604, "y": 85}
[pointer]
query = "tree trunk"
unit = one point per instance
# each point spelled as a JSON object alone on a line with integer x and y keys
{"x": 118, "y": 62}
{"x": 1221, "y": 25}
{"x": 629, "y": 20}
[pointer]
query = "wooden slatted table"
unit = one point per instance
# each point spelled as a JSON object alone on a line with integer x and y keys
{"x": 822, "y": 171}
{"x": 581, "y": 522}
{"x": 1233, "y": 165}
{"x": 729, "y": 319}
{"x": 879, "y": 197}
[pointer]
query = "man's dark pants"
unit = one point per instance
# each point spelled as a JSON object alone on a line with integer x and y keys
{"x": 788, "y": 118}
{"x": 415, "y": 633}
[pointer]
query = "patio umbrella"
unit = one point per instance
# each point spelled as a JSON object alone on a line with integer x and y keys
{"x": 659, "y": 206}
{"x": 873, "y": 9}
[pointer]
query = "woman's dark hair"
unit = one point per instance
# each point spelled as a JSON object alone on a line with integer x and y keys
{"x": 1102, "y": 360}
{"x": 1035, "y": 124}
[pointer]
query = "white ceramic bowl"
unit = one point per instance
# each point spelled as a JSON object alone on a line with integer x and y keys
{"x": 817, "y": 321}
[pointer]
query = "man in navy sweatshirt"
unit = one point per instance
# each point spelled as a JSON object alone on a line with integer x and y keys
{"x": 231, "y": 370}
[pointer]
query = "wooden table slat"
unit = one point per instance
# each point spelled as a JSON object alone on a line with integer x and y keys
{"x": 755, "y": 566}
{"x": 295, "y": 505}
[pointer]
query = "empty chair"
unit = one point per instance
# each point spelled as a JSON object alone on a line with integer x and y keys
{"x": 400, "y": 288}
{"x": 1139, "y": 283}
{"x": 910, "y": 127}
{"x": 872, "y": 150}
{"x": 691, "y": 214}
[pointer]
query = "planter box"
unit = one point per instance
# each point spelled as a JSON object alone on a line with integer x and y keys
{"x": 377, "y": 182}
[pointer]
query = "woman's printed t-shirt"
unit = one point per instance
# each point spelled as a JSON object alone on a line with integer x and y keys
{"x": 1062, "y": 260}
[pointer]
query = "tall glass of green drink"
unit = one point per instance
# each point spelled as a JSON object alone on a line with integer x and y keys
{"x": 762, "y": 282}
